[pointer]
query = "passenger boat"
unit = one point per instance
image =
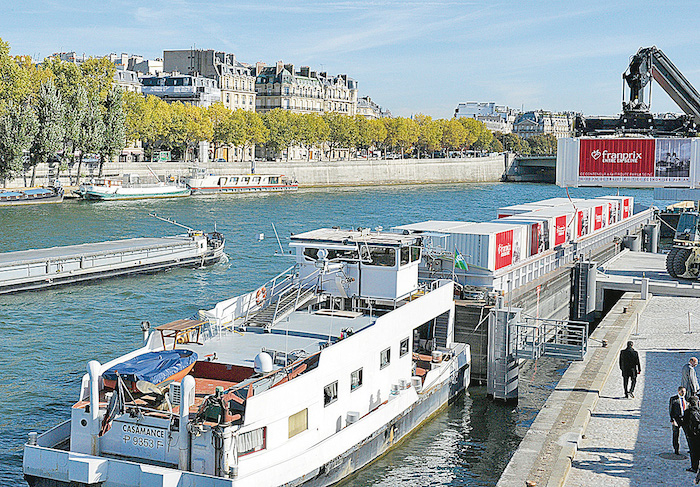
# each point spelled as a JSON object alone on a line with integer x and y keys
{"x": 114, "y": 189}
{"x": 301, "y": 381}
{"x": 202, "y": 182}
{"x": 30, "y": 196}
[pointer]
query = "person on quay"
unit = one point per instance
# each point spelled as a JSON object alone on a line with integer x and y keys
{"x": 629, "y": 365}
{"x": 691, "y": 425}
{"x": 689, "y": 379}
{"x": 676, "y": 407}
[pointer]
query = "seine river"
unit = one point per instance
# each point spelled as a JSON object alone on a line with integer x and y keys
{"x": 49, "y": 336}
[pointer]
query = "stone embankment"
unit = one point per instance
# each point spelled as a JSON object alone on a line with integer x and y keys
{"x": 356, "y": 172}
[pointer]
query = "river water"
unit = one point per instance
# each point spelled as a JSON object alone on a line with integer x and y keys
{"x": 49, "y": 336}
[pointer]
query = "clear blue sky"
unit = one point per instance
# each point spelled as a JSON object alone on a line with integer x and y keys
{"x": 410, "y": 56}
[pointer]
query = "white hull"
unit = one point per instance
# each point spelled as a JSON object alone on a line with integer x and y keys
{"x": 240, "y": 183}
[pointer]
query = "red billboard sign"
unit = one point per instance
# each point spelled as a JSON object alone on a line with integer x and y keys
{"x": 626, "y": 208}
{"x": 504, "y": 249}
{"x": 560, "y": 236}
{"x": 617, "y": 158}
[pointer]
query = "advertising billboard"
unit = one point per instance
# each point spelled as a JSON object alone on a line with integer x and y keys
{"x": 628, "y": 162}
{"x": 504, "y": 249}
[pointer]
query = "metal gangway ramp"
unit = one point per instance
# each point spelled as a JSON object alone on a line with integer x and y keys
{"x": 513, "y": 337}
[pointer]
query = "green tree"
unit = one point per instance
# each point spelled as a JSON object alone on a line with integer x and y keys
{"x": 342, "y": 132}
{"x": 478, "y": 137}
{"x": 256, "y": 133}
{"x": 217, "y": 113}
{"x": 91, "y": 137}
{"x": 18, "y": 126}
{"x": 49, "y": 136}
{"x": 278, "y": 124}
{"x": 378, "y": 133}
{"x": 429, "y": 133}
{"x": 312, "y": 130}
{"x": 544, "y": 145}
{"x": 115, "y": 126}
{"x": 401, "y": 132}
{"x": 15, "y": 83}
{"x": 454, "y": 134}
{"x": 74, "y": 110}
{"x": 98, "y": 74}
{"x": 496, "y": 145}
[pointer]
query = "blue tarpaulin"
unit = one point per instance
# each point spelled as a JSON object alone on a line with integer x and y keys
{"x": 153, "y": 367}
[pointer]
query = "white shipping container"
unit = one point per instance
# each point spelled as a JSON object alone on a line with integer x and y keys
{"x": 489, "y": 245}
{"x": 590, "y": 217}
{"x": 507, "y": 211}
{"x": 626, "y": 205}
{"x": 563, "y": 222}
{"x": 540, "y": 231}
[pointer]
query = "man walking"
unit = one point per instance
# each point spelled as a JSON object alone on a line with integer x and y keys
{"x": 676, "y": 407}
{"x": 691, "y": 425}
{"x": 689, "y": 380}
{"x": 629, "y": 365}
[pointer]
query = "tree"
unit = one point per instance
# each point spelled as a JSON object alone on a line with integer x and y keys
{"x": 15, "y": 84}
{"x": 18, "y": 126}
{"x": 378, "y": 133}
{"x": 217, "y": 113}
{"x": 429, "y": 133}
{"x": 478, "y": 137}
{"x": 92, "y": 133}
{"x": 401, "y": 132}
{"x": 49, "y": 136}
{"x": 256, "y": 133}
{"x": 114, "y": 126}
{"x": 544, "y": 145}
{"x": 454, "y": 134}
{"x": 342, "y": 131}
{"x": 74, "y": 109}
{"x": 312, "y": 130}
{"x": 98, "y": 74}
{"x": 278, "y": 124}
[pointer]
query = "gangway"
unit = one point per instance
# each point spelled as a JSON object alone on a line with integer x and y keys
{"x": 514, "y": 337}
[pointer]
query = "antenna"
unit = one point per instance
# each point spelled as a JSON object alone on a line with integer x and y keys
{"x": 278, "y": 239}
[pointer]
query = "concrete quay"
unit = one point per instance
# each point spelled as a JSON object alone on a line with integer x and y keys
{"x": 354, "y": 172}
{"x": 588, "y": 433}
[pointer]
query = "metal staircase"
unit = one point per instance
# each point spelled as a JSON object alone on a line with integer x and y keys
{"x": 283, "y": 306}
{"x": 441, "y": 329}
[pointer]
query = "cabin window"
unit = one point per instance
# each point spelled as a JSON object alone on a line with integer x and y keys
{"x": 298, "y": 422}
{"x": 330, "y": 393}
{"x": 245, "y": 180}
{"x": 382, "y": 256}
{"x": 405, "y": 255}
{"x": 256, "y": 180}
{"x": 347, "y": 254}
{"x": 415, "y": 254}
{"x": 234, "y": 180}
{"x": 355, "y": 379}
{"x": 385, "y": 358}
{"x": 403, "y": 350}
{"x": 252, "y": 441}
{"x": 274, "y": 180}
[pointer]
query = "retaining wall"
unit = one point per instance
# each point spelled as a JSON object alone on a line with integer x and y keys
{"x": 309, "y": 174}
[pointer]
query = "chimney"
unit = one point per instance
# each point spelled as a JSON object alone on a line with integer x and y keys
{"x": 279, "y": 67}
{"x": 304, "y": 71}
{"x": 289, "y": 67}
{"x": 259, "y": 67}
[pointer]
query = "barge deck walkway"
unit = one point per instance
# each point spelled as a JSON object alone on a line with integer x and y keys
{"x": 588, "y": 433}
{"x": 41, "y": 268}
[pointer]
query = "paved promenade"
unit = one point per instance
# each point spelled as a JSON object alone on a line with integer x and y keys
{"x": 588, "y": 434}
{"x": 628, "y": 441}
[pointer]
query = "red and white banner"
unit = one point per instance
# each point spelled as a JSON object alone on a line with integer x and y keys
{"x": 617, "y": 158}
{"x": 504, "y": 249}
{"x": 560, "y": 236}
{"x": 598, "y": 218}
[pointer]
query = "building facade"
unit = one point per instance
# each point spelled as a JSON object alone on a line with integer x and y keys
{"x": 539, "y": 122}
{"x": 194, "y": 90}
{"x": 303, "y": 91}
{"x": 235, "y": 80}
{"x": 496, "y": 118}
{"x": 127, "y": 80}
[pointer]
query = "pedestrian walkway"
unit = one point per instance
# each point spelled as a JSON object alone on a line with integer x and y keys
{"x": 627, "y": 442}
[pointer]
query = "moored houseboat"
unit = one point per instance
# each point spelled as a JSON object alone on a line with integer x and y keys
{"x": 53, "y": 194}
{"x": 301, "y": 381}
{"x": 202, "y": 182}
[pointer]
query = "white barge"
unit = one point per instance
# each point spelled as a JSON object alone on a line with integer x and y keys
{"x": 202, "y": 182}
{"x": 26, "y": 270}
{"x": 299, "y": 382}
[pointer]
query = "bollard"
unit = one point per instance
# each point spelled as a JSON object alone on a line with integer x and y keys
{"x": 645, "y": 289}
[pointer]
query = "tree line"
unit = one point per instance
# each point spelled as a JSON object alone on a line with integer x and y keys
{"x": 63, "y": 112}
{"x": 57, "y": 111}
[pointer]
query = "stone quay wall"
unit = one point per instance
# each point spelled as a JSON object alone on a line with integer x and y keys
{"x": 355, "y": 172}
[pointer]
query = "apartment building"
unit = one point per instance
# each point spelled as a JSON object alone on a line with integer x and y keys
{"x": 497, "y": 118}
{"x": 234, "y": 79}
{"x": 540, "y": 122}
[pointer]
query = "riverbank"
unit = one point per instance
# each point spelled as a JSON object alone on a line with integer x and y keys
{"x": 355, "y": 172}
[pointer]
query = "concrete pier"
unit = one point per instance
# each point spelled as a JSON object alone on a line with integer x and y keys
{"x": 588, "y": 433}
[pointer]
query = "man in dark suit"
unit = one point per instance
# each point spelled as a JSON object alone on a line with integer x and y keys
{"x": 629, "y": 365}
{"x": 676, "y": 407}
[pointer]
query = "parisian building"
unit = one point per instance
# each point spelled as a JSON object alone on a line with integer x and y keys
{"x": 194, "y": 90}
{"x": 303, "y": 91}
{"x": 496, "y": 118}
{"x": 540, "y": 122}
{"x": 235, "y": 80}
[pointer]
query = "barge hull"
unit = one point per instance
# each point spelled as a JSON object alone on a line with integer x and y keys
{"x": 61, "y": 463}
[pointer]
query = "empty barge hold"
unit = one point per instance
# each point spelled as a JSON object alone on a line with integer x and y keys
{"x": 42, "y": 268}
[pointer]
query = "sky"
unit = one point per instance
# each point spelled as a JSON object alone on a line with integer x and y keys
{"x": 409, "y": 56}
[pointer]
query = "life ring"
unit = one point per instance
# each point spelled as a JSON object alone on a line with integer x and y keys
{"x": 261, "y": 295}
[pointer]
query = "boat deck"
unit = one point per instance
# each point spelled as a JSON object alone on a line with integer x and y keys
{"x": 300, "y": 331}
